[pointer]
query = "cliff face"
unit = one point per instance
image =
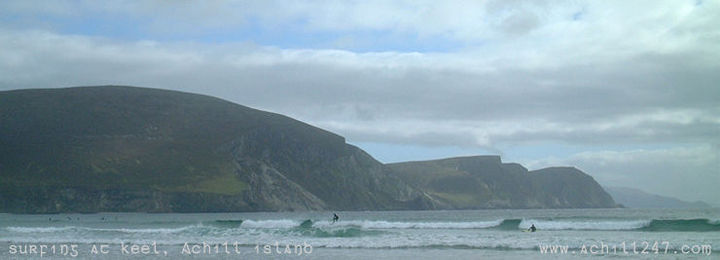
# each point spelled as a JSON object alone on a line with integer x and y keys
{"x": 133, "y": 149}
{"x": 115, "y": 148}
{"x": 485, "y": 182}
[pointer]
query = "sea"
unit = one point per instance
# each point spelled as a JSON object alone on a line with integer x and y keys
{"x": 454, "y": 234}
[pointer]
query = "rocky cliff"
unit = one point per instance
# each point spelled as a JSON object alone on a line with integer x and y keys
{"x": 481, "y": 182}
{"x": 115, "y": 148}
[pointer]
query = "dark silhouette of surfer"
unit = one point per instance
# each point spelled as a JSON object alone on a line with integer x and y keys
{"x": 335, "y": 218}
{"x": 532, "y": 228}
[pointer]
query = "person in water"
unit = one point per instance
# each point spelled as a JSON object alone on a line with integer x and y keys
{"x": 532, "y": 228}
{"x": 335, "y": 218}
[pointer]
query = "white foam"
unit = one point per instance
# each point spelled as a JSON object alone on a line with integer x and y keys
{"x": 274, "y": 224}
{"x": 584, "y": 224}
{"x": 147, "y": 230}
{"x": 368, "y": 224}
{"x": 74, "y": 228}
{"x": 431, "y": 240}
{"x": 39, "y": 229}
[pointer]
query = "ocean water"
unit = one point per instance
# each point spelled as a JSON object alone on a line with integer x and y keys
{"x": 462, "y": 234}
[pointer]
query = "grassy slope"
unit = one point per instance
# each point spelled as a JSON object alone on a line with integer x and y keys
{"x": 118, "y": 137}
{"x": 485, "y": 182}
{"x": 129, "y": 138}
{"x": 445, "y": 181}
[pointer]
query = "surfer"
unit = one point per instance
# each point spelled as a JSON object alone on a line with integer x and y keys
{"x": 335, "y": 218}
{"x": 532, "y": 228}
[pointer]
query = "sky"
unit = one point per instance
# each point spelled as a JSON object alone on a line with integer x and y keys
{"x": 627, "y": 91}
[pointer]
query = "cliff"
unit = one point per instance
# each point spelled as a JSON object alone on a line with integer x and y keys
{"x": 116, "y": 148}
{"x": 481, "y": 182}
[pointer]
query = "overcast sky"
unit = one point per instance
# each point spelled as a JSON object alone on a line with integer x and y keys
{"x": 627, "y": 91}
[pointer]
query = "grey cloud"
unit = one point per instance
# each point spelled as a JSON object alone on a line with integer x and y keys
{"x": 520, "y": 23}
{"x": 573, "y": 103}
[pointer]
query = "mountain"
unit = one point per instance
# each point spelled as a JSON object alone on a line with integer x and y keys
{"x": 634, "y": 198}
{"x": 117, "y": 148}
{"x": 485, "y": 182}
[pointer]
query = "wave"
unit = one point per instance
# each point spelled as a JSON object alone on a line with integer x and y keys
{"x": 509, "y": 224}
{"x": 306, "y": 224}
{"x": 367, "y": 224}
{"x": 226, "y": 223}
{"x": 542, "y": 224}
{"x": 692, "y": 225}
{"x": 120, "y": 230}
{"x": 39, "y": 229}
{"x": 652, "y": 225}
{"x": 270, "y": 224}
{"x": 353, "y": 228}
{"x": 339, "y": 232}
{"x": 375, "y": 224}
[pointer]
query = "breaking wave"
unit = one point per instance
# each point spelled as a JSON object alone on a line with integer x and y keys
{"x": 375, "y": 224}
{"x": 664, "y": 225}
{"x": 350, "y": 228}
{"x": 120, "y": 230}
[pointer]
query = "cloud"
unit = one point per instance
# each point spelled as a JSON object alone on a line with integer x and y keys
{"x": 635, "y": 24}
{"x": 427, "y": 98}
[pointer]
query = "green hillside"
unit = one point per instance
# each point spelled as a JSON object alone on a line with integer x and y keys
{"x": 116, "y": 148}
{"x": 485, "y": 182}
{"x": 165, "y": 150}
